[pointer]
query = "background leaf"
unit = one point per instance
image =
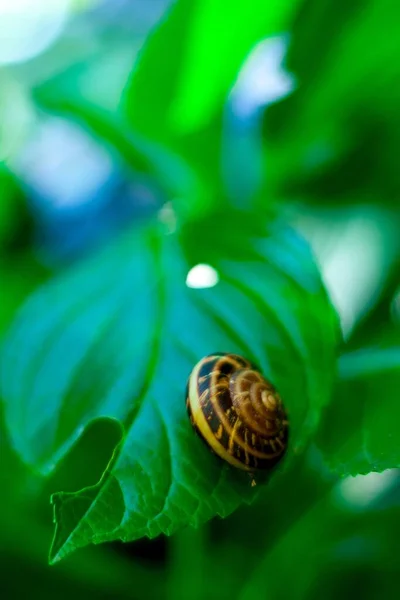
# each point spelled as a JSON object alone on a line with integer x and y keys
{"x": 219, "y": 38}
{"x": 123, "y": 347}
{"x": 360, "y": 429}
{"x": 65, "y": 95}
{"x": 190, "y": 62}
{"x": 182, "y": 78}
{"x": 335, "y": 136}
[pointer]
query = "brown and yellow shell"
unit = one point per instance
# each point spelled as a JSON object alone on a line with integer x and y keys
{"x": 237, "y": 412}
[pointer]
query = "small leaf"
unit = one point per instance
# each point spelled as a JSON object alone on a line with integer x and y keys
{"x": 118, "y": 336}
{"x": 360, "y": 431}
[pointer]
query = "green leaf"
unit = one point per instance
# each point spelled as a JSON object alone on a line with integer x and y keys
{"x": 189, "y": 64}
{"x": 118, "y": 336}
{"x": 324, "y": 138}
{"x": 19, "y": 275}
{"x": 63, "y": 95}
{"x": 14, "y": 219}
{"x": 219, "y": 37}
{"x": 20, "y": 271}
{"x": 182, "y": 78}
{"x": 360, "y": 431}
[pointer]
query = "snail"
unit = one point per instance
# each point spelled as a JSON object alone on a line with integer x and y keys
{"x": 237, "y": 412}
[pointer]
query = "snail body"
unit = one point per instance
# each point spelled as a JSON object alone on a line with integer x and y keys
{"x": 237, "y": 412}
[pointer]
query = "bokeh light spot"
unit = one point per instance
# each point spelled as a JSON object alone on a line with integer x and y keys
{"x": 28, "y": 28}
{"x": 202, "y": 276}
{"x": 363, "y": 490}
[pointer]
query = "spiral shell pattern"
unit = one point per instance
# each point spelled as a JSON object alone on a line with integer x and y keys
{"x": 237, "y": 412}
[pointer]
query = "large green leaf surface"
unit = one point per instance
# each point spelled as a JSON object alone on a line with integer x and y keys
{"x": 360, "y": 431}
{"x": 117, "y": 337}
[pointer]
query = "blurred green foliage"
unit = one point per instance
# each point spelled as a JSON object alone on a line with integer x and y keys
{"x": 94, "y": 362}
{"x": 340, "y": 127}
{"x": 20, "y": 271}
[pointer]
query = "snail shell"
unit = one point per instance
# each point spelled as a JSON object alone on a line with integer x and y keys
{"x": 237, "y": 412}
